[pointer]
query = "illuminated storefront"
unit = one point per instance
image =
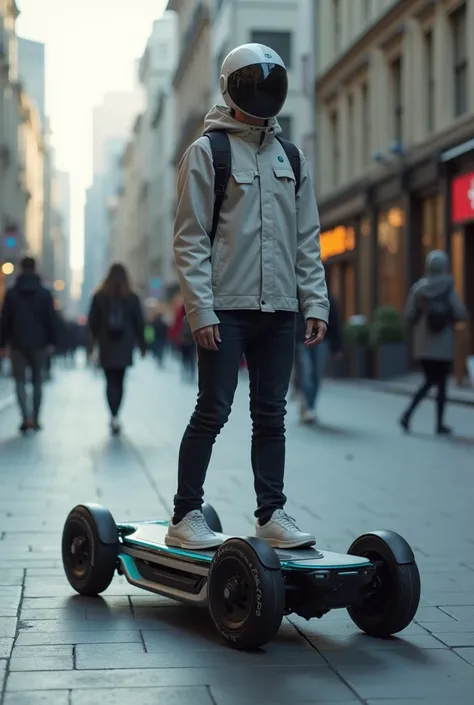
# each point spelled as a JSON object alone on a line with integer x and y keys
{"x": 391, "y": 288}
{"x": 337, "y": 252}
{"x": 462, "y": 240}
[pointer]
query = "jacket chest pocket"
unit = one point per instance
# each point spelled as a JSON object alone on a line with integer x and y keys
{"x": 284, "y": 177}
{"x": 284, "y": 189}
{"x": 243, "y": 179}
{"x": 284, "y": 182}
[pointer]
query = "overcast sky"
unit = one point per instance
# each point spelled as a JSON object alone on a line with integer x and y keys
{"x": 91, "y": 46}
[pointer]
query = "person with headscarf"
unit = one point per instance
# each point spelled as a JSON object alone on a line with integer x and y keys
{"x": 432, "y": 311}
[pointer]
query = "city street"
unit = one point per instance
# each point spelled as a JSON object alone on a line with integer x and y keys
{"x": 354, "y": 473}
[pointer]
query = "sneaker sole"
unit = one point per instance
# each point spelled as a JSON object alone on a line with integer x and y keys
{"x": 275, "y": 543}
{"x": 186, "y": 545}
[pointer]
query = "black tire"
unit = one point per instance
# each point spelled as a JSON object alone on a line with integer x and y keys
{"x": 246, "y": 599}
{"x": 89, "y": 563}
{"x": 212, "y": 518}
{"x": 392, "y": 605}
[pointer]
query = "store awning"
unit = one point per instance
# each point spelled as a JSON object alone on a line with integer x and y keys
{"x": 457, "y": 151}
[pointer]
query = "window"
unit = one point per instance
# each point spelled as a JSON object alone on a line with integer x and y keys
{"x": 366, "y": 146}
{"x": 285, "y": 123}
{"x": 397, "y": 98}
{"x": 335, "y": 155}
{"x": 336, "y": 9}
{"x": 459, "y": 40}
{"x": 365, "y": 268}
{"x": 432, "y": 226}
{"x": 430, "y": 81}
{"x": 279, "y": 41}
{"x": 350, "y": 136}
{"x": 391, "y": 274}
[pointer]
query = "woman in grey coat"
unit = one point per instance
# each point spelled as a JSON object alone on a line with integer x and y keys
{"x": 433, "y": 308}
{"x": 116, "y": 324}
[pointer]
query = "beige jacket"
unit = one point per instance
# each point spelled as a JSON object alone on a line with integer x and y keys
{"x": 266, "y": 252}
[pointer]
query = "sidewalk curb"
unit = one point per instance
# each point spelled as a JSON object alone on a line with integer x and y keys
{"x": 387, "y": 388}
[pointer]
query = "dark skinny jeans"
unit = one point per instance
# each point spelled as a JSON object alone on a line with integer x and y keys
{"x": 267, "y": 340}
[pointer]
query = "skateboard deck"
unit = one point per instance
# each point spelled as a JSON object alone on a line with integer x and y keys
{"x": 150, "y": 535}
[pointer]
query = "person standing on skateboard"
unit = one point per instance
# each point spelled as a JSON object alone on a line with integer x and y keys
{"x": 243, "y": 272}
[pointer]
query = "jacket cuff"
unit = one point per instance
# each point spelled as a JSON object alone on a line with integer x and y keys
{"x": 317, "y": 311}
{"x": 202, "y": 319}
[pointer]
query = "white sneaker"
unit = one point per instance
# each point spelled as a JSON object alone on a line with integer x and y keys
{"x": 308, "y": 416}
{"x": 192, "y": 532}
{"x": 115, "y": 426}
{"x": 281, "y": 532}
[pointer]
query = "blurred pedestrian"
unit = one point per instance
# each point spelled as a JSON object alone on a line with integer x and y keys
{"x": 29, "y": 327}
{"x": 188, "y": 351}
{"x": 311, "y": 362}
{"x": 116, "y": 325}
{"x": 433, "y": 308}
{"x": 161, "y": 334}
{"x": 242, "y": 266}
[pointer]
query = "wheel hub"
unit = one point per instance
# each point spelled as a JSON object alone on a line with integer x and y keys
{"x": 79, "y": 554}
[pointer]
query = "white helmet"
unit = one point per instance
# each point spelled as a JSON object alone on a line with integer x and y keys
{"x": 254, "y": 80}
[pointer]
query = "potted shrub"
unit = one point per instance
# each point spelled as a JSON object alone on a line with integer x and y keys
{"x": 387, "y": 338}
{"x": 356, "y": 341}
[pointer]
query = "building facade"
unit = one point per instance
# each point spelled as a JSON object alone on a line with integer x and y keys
{"x": 62, "y": 283}
{"x": 31, "y": 153}
{"x": 395, "y": 105}
{"x": 141, "y": 213}
{"x": 162, "y": 130}
{"x": 192, "y": 80}
{"x": 112, "y": 121}
{"x": 11, "y": 197}
{"x": 31, "y": 70}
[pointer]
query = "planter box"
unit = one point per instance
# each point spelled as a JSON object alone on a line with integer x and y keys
{"x": 391, "y": 360}
{"x": 358, "y": 362}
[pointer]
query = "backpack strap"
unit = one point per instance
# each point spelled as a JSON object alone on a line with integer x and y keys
{"x": 293, "y": 154}
{"x": 222, "y": 160}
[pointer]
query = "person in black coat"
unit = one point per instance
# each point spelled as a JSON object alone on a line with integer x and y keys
{"x": 29, "y": 327}
{"x": 311, "y": 361}
{"x": 116, "y": 325}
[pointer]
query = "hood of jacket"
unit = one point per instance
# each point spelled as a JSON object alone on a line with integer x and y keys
{"x": 437, "y": 279}
{"x": 28, "y": 284}
{"x": 220, "y": 118}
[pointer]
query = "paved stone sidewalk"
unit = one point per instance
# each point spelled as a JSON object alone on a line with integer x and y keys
{"x": 355, "y": 473}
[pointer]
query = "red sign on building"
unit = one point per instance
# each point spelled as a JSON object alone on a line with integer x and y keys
{"x": 462, "y": 198}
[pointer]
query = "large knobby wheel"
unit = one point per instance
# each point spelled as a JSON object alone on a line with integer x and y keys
{"x": 212, "y": 518}
{"x": 88, "y": 562}
{"x": 392, "y": 603}
{"x": 246, "y": 593}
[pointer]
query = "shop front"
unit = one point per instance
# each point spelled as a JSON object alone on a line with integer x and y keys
{"x": 462, "y": 241}
{"x": 338, "y": 256}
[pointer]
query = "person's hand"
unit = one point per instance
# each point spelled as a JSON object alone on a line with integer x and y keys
{"x": 3, "y": 353}
{"x": 207, "y": 337}
{"x": 315, "y": 331}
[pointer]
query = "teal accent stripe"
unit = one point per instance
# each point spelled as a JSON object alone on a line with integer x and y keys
{"x": 167, "y": 550}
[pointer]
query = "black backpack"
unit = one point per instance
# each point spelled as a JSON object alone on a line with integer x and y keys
{"x": 438, "y": 311}
{"x": 116, "y": 318}
{"x": 222, "y": 160}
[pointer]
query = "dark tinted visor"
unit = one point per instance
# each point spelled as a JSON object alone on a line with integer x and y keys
{"x": 259, "y": 89}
